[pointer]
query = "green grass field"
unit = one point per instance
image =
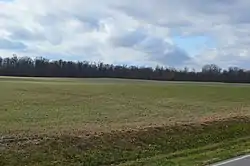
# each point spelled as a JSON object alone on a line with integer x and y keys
{"x": 52, "y": 121}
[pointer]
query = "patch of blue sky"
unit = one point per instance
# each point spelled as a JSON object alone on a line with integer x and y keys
{"x": 11, "y": 45}
{"x": 194, "y": 44}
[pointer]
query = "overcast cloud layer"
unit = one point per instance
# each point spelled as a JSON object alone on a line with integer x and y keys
{"x": 135, "y": 32}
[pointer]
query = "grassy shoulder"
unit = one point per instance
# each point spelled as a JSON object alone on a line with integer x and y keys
{"x": 200, "y": 156}
{"x": 185, "y": 144}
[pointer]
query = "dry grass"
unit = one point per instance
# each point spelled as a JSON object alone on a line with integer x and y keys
{"x": 135, "y": 147}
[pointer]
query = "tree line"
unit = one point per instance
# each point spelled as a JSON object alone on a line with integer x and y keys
{"x": 42, "y": 67}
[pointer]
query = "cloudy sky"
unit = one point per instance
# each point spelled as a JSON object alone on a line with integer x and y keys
{"x": 174, "y": 33}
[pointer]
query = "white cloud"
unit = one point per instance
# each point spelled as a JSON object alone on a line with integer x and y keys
{"x": 127, "y": 32}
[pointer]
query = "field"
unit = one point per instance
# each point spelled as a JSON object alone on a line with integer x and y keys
{"x": 52, "y": 121}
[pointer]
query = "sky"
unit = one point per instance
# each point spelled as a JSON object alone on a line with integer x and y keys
{"x": 169, "y": 33}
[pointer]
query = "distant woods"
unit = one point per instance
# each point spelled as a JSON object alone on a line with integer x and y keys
{"x": 41, "y": 67}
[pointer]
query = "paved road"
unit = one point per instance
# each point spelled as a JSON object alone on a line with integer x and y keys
{"x": 240, "y": 161}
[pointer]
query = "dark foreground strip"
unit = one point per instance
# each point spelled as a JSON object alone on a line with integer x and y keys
{"x": 123, "y": 146}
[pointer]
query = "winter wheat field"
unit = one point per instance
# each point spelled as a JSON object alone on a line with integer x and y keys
{"x": 59, "y": 121}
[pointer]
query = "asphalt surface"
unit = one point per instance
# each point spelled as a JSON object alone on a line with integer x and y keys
{"x": 240, "y": 161}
